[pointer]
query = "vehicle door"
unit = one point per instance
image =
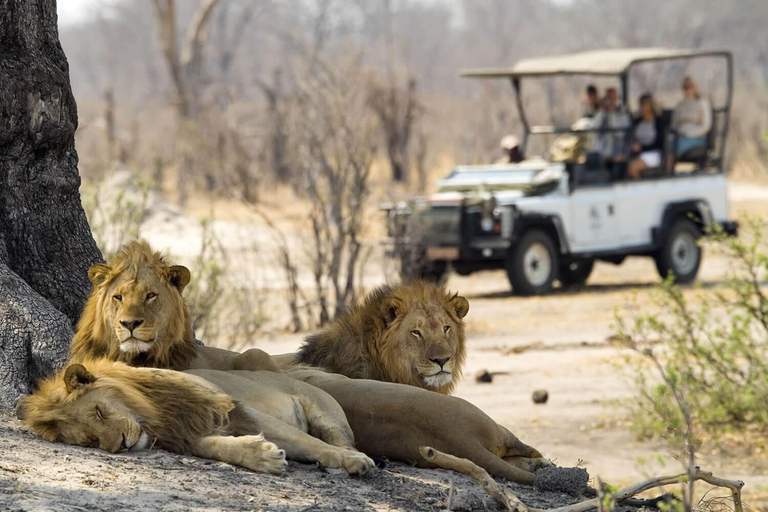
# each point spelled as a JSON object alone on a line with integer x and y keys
{"x": 593, "y": 223}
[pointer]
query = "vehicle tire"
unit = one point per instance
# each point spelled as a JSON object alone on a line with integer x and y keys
{"x": 680, "y": 252}
{"x": 576, "y": 273}
{"x": 532, "y": 264}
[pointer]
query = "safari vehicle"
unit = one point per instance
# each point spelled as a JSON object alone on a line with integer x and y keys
{"x": 548, "y": 219}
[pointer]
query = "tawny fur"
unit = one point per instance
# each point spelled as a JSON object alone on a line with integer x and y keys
{"x": 369, "y": 340}
{"x": 172, "y": 409}
{"x": 95, "y": 336}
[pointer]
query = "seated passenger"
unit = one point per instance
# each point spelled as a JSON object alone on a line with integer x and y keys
{"x": 610, "y": 142}
{"x": 591, "y": 101}
{"x": 691, "y": 122}
{"x": 647, "y": 143}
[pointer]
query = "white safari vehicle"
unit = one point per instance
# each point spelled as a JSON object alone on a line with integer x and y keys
{"x": 545, "y": 221}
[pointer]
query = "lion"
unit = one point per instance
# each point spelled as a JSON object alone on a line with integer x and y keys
{"x": 136, "y": 314}
{"x": 109, "y": 405}
{"x": 208, "y": 413}
{"x": 409, "y": 333}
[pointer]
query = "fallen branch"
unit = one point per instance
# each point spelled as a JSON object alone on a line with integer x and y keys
{"x": 476, "y": 473}
{"x": 506, "y": 498}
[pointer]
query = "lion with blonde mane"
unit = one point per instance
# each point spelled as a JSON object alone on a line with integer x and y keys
{"x": 109, "y": 405}
{"x": 410, "y": 333}
{"x": 136, "y": 314}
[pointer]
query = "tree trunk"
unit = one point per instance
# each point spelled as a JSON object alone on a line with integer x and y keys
{"x": 46, "y": 245}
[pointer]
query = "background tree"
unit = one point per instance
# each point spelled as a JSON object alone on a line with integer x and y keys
{"x": 46, "y": 245}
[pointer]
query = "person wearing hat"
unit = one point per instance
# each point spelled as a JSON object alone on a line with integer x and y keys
{"x": 510, "y": 145}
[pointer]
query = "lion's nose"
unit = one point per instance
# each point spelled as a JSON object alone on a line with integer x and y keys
{"x": 131, "y": 324}
{"x": 441, "y": 362}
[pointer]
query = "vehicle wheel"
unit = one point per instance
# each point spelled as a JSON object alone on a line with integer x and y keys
{"x": 532, "y": 264}
{"x": 576, "y": 273}
{"x": 680, "y": 253}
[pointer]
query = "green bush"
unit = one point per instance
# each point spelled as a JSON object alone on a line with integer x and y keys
{"x": 712, "y": 354}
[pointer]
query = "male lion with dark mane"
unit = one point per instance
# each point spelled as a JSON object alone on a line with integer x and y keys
{"x": 409, "y": 333}
{"x": 136, "y": 314}
{"x": 109, "y": 405}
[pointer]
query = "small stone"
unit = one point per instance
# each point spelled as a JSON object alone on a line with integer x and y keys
{"x": 483, "y": 376}
{"x": 540, "y": 396}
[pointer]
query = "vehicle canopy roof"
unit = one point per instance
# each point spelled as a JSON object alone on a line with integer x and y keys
{"x": 596, "y": 62}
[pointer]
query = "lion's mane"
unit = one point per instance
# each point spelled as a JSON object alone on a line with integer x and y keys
{"x": 365, "y": 344}
{"x": 95, "y": 337}
{"x": 172, "y": 410}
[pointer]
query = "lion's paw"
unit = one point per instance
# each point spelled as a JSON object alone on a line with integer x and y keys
{"x": 529, "y": 464}
{"x": 262, "y": 456}
{"x": 357, "y": 463}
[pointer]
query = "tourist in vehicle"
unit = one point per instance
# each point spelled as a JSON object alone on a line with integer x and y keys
{"x": 592, "y": 102}
{"x": 611, "y": 141}
{"x": 647, "y": 143}
{"x": 691, "y": 122}
{"x": 510, "y": 145}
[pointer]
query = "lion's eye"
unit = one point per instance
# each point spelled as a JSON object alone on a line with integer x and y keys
{"x": 447, "y": 329}
{"x": 151, "y": 295}
{"x": 99, "y": 413}
{"x": 118, "y": 298}
{"x": 416, "y": 333}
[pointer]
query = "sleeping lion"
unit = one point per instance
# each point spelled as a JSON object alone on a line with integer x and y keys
{"x": 208, "y": 413}
{"x": 109, "y": 405}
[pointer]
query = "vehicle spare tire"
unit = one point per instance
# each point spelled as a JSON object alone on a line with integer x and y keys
{"x": 533, "y": 263}
{"x": 680, "y": 252}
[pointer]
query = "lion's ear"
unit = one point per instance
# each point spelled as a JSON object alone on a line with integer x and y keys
{"x": 389, "y": 312}
{"x": 460, "y": 305}
{"x": 77, "y": 377}
{"x": 178, "y": 276}
{"x": 98, "y": 273}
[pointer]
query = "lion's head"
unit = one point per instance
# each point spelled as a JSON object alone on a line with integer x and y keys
{"x": 109, "y": 405}
{"x": 135, "y": 312}
{"x": 408, "y": 333}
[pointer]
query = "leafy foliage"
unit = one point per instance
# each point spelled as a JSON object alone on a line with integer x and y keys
{"x": 713, "y": 353}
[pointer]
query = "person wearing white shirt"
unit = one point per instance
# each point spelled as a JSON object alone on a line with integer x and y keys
{"x": 691, "y": 121}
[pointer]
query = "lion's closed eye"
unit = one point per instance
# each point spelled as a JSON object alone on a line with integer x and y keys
{"x": 447, "y": 329}
{"x": 416, "y": 333}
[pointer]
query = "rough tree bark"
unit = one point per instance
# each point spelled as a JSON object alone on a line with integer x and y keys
{"x": 46, "y": 245}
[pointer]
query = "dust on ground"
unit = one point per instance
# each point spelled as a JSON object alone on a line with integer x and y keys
{"x": 40, "y": 476}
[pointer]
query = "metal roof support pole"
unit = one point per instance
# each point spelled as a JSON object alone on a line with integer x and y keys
{"x": 728, "y": 99}
{"x": 521, "y": 112}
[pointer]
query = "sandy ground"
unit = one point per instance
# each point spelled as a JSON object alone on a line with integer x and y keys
{"x": 579, "y": 424}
